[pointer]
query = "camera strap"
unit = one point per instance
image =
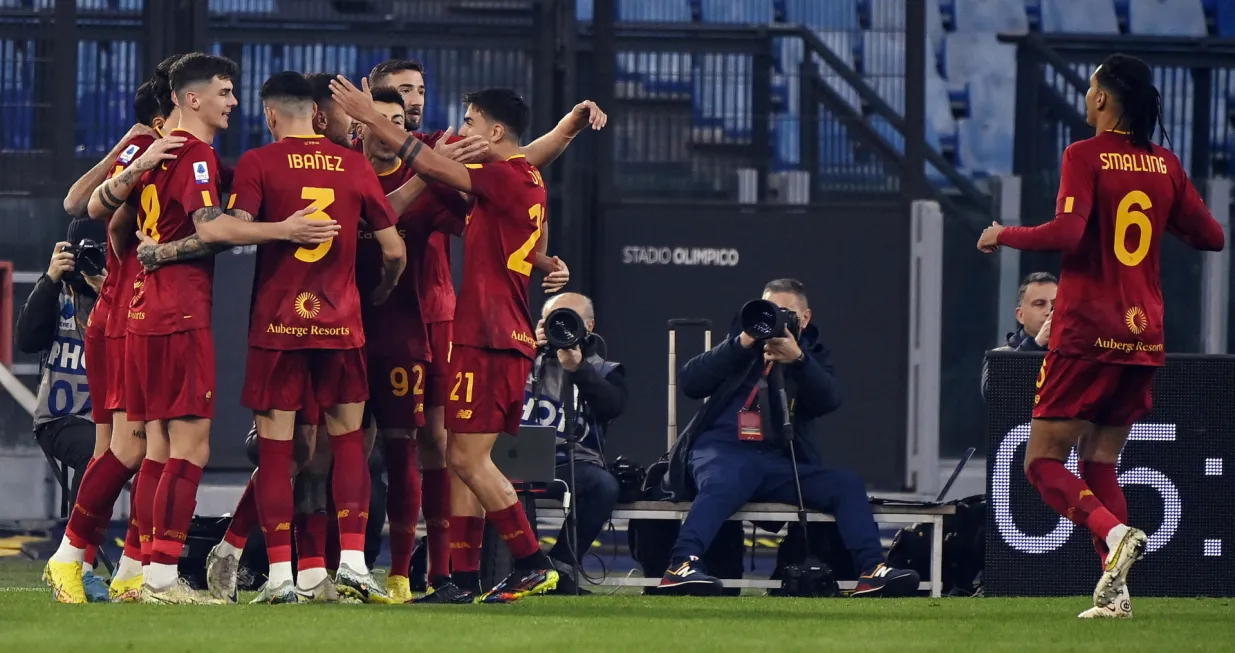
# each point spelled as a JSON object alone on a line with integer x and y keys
{"x": 750, "y": 423}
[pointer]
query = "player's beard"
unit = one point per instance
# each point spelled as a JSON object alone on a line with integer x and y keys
{"x": 411, "y": 122}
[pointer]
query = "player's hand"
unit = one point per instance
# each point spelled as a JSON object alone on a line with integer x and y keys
{"x": 304, "y": 230}
{"x": 96, "y": 281}
{"x": 558, "y": 278}
{"x": 587, "y": 113}
{"x": 138, "y": 130}
{"x": 989, "y": 241}
{"x": 61, "y": 262}
{"x": 380, "y": 294}
{"x": 570, "y": 358}
{"x": 355, "y": 102}
{"x": 158, "y": 152}
{"x": 145, "y": 251}
{"x": 1044, "y": 334}
{"x": 541, "y": 339}
{"x": 469, "y": 150}
{"x": 781, "y": 350}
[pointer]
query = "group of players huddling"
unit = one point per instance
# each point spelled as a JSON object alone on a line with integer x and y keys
{"x": 354, "y": 332}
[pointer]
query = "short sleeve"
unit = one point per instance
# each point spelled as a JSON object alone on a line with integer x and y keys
{"x": 1076, "y": 184}
{"x": 136, "y": 147}
{"x": 198, "y": 177}
{"x": 247, "y": 185}
{"x": 489, "y": 179}
{"x": 375, "y": 208}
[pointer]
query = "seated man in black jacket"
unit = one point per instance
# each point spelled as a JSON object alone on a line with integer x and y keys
{"x": 733, "y": 456}
{"x": 1035, "y": 303}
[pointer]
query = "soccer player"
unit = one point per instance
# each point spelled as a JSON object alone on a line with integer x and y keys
{"x": 437, "y": 295}
{"x": 492, "y": 348}
{"x": 93, "y": 506}
{"x": 305, "y": 325}
{"x": 1118, "y": 194}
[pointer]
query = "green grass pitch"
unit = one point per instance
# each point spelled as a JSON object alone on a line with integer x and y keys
{"x": 30, "y": 621}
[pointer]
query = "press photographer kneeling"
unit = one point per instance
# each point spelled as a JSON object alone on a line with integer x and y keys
{"x": 575, "y": 389}
{"x": 741, "y": 448}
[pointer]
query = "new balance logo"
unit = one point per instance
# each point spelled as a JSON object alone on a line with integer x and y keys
{"x": 685, "y": 571}
{"x": 882, "y": 571}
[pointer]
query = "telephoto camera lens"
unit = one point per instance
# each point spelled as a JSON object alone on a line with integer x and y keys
{"x": 564, "y": 329}
{"x": 761, "y": 319}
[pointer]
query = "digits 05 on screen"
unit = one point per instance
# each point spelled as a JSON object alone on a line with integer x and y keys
{"x": 1177, "y": 472}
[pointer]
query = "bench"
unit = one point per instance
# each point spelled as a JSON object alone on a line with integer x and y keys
{"x": 775, "y": 512}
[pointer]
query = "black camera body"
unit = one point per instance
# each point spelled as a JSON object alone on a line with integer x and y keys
{"x": 89, "y": 257}
{"x": 762, "y": 320}
{"x": 811, "y": 579}
{"x": 565, "y": 329}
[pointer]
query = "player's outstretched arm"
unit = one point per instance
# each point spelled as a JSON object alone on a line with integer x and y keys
{"x": 359, "y": 105}
{"x": 546, "y": 149}
{"x": 77, "y": 200}
{"x": 112, "y": 193}
{"x": 239, "y": 228}
{"x": 122, "y": 223}
{"x": 394, "y": 260}
{"x": 402, "y": 197}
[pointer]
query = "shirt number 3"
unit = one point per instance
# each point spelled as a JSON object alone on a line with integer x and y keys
{"x": 518, "y": 259}
{"x": 322, "y": 199}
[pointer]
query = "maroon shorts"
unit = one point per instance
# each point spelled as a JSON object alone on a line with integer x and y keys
{"x": 437, "y": 386}
{"x": 115, "y": 395}
{"x": 310, "y": 413}
{"x": 486, "y": 390}
{"x": 397, "y": 392}
{"x": 169, "y": 376}
{"x": 96, "y": 377}
{"x": 1102, "y": 393}
{"x": 280, "y": 379}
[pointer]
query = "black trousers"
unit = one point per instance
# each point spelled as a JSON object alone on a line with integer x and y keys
{"x": 594, "y": 498}
{"x": 70, "y": 442}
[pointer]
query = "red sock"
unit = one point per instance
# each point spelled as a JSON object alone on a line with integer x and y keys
{"x": 466, "y": 535}
{"x": 1070, "y": 497}
{"x": 245, "y": 517}
{"x": 273, "y": 491}
{"x": 311, "y": 541}
{"x": 90, "y": 555}
{"x": 173, "y": 510}
{"x": 351, "y": 486}
{"x": 1101, "y": 478}
{"x": 132, "y": 535}
{"x": 101, "y": 485}
{"x": 436, "y": 484}
{"x": 149, "y": 475}
{"x": 402, "y": 502}
{"x": 511, "y": 523}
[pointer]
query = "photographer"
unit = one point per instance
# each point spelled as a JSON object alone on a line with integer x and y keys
{"x": 576, "y": 386}
{"x": 734, "y": 451}
{"x": 1035, "y": 304}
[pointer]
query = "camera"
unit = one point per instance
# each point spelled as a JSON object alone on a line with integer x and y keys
{"x": 761, "y": 320}
{"x": 565, "y": 329}
{"x": 90, "y": 257}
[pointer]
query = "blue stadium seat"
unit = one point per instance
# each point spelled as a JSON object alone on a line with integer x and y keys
{"x": 583, "y": 10}
{"x": 841, "y": 44}
{"x": 1224, "y": 16}
{"x": 826, "y": 15}
{"x": 889, "y": 16}
{"x": 1166, "y": 18}
{"x": 655, "y": 11}
{"x": 985, "y": 146}
{"x": 977, "y": 58}
{"x": 998, "y": 16}
{"x": 740, "y": 12}
{"x": 1079, "y": 17}
{"x": 722, "y": 85}
{"x": 17, "y": 85}
{"x": 883, "y": 53}
{"x": 835, "y": 148}
{"x": 655, "y": 74}
{"x": 242, "y": 6}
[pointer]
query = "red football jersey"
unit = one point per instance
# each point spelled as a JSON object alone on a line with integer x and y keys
{"x": 437, "y": 287}
{"x": 178, "y": 296}
{"x": 306, "y": 297}
{"x": 108, "y": 295}
{"x": 396, "y": 328}
{"x": 503, "y": 228}
{"x": 1109, "y": 306}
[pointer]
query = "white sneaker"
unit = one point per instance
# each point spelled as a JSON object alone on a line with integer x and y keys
{"x": 1120, "y": 608}
{"x": 1129, "y": 549}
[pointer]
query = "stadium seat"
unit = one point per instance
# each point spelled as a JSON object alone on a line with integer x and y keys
{"x": 889, "y": 16}
{"x": 739, "y": 12}
{"x": 1224, "y": 16}
{"x": 883, "y": 53}
{"x": 722, "y": 86}
{"x": 583, "y": 10}
{"x": 998, "y": 16}
{"x": 976, "y": 58}
{"x": 1079, "y": 17}
{"x": 841, "y": 44}
{"x": 985, "y": 146}
{"x": 655, "y": 11}
{"x": 1166, "y": 18}
{"x": 242, "y": 6}
{"x": 827, "y": 15}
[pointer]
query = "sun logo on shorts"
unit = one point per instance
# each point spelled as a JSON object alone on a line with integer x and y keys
{"x": 308, "y": 305}
{"x": 1136, "y": 320}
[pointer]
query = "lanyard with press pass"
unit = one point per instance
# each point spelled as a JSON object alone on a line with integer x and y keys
{"x": 750, "y": 423}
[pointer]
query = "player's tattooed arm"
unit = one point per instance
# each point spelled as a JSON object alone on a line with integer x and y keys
{"x": 121, "y": 225}
{"x": 224, "y": 230}
{"x": 112, "y": 193}
{"x": 155, "y": 255}
{"x": 77, "y": 200}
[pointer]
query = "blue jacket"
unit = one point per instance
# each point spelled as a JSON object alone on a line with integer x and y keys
{"x": 717, "y": 375}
